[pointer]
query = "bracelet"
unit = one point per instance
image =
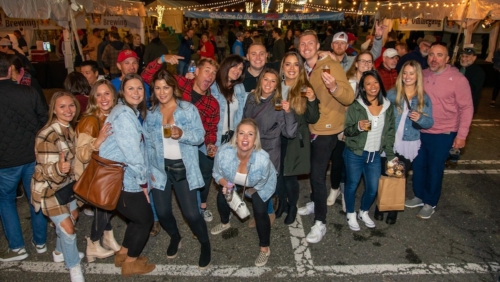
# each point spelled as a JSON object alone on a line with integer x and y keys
{"x": 162, "y": 58}
{"x": 334, "y": 89}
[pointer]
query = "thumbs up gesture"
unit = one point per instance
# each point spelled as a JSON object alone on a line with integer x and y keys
{"x": 63, "y": 165}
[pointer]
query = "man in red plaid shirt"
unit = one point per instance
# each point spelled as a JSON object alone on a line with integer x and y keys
{"x": 196, "y": 89}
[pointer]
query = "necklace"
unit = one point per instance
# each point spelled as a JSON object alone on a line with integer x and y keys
{"x": 63, "y": 125}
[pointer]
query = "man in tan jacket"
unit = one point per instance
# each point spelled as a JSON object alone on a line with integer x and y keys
{"x": 334, "y": 92}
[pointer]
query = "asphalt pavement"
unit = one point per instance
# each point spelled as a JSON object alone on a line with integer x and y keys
{"x": 461, "y": 242}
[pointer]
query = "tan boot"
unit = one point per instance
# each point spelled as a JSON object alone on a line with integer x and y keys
{"x": 109, "y": 242}
{"x": 136, "y": 267}
{"x": 120, "y": 258}
{"x": 94, "y": 250}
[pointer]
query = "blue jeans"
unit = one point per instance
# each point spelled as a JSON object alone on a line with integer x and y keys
{"x": 182, "y": 68}
{"x": 369, "y": 166}
{"x": 152, "y": 203}
{"x": 9, "y": 178}
{"x": 428, "y": 166}
{"x": 66, "y": 243}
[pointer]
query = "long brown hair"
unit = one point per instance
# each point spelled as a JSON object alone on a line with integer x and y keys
{"x": 142, "y": 106}
{"x": 170, "y": 80}
{"x": 298, "y": 104}
{"x": 258, "y": 90}
{"x": 52, "y": 115}
{"x": 419, "y": 87}
{"x": 226, "y": 87}
{"x": 92, "y": 107}
{"x": 352, "y": 70}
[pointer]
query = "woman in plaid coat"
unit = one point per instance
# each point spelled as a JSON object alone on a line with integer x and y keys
{"x": 55, "y": 155}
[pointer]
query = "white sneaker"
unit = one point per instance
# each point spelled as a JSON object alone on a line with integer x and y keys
{"x": 334, "y": 193}
{"x": 363, "y": 215}
{"x": 76, "y": 274}
{"x": 317, "y": 232}
{"x": 352, "y": 221}
{"x": 60, "y": 257}
{"x": 307, "y": 209}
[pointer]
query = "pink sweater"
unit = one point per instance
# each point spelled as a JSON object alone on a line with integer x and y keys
{"x": 451, "y": 98}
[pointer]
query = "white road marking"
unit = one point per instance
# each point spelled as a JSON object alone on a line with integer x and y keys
{"x": 485, "y": 124}
{"x": 481, "y": 120}
{"x": 253, "y": 272}
{"x": 472, "y": 171}
{"x": 478, "y": 162}
{"x": 301, "y": 252}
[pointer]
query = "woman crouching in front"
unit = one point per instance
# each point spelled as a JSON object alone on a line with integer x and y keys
{"x": 243, "y": 162}
{"x": 174, "y": 131}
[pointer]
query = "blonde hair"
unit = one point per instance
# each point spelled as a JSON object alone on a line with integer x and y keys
{"x": 92, "y": 107}
{"x": 52, "y": 105}
{"x": 419, "y": 87}
{"x": 251, "y": 122}
{"x": 310, "y": 32}
{"x": 258, "y": 90}
{"x": 297, "y": 102}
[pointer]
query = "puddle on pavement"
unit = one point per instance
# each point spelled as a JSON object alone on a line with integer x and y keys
{"x": 377, "y": 244}
{"x": 340, "y": 263}
{"x": 338, "y": 227}
{"x": 230, "y": 233}
{"x": 412, "y": 257}
{"x": 377, "y": 233}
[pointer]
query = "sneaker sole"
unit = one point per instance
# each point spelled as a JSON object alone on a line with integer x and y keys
{"x": 204, "y": 267}
{"x": 354, "y": 228}
{"x": 217, "y": 233}
{"x": 21, "y": 257}
{"x": 314, "y": 242}
{"x": 425, "y": 217}
{"x": 304, "y": 213}
{"x": 414, "y": 206}
{"x": 208, "y": 219}
{"x": 368, "y": 225}
{"x": 176, "y": 254}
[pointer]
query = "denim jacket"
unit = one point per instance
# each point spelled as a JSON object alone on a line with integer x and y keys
{"x": 241, "y": 95}
{"x": 126, "y": 145}
{"x": 412, "y": 128}
{"x": 188, "y": 119}
{"x": 261, "y": 176}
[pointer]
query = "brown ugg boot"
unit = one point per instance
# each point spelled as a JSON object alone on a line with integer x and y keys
{"x": 120, "y": 258}
{"x": 136, "y": 267}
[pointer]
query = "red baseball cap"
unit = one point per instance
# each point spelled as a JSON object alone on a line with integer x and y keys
{"x": 351, "y": 37}
{"x": 80, "y": 32}
{"x": 125, "y": 54}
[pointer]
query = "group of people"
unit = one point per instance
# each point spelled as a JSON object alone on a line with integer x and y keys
{"x": 242, "y": 123}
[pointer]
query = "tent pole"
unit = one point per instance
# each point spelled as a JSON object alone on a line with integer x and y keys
{"x": 455, "y": 50}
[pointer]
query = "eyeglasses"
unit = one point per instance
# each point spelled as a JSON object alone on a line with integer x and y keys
{"x": 365, "y": 62}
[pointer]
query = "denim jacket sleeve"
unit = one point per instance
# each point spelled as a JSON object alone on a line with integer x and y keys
{"x": 190, "y": 123}
{"x": 426, "y": 120}
{"x": 128, "y": 139}
{"x": 268, "y": 177}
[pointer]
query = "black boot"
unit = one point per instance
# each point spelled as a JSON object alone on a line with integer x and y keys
{"x": 205, "y": 255}
{"x": 391, "y": 217}
{"x": 282, "y": 207}
{"x": 378, "y": 214}
{"x": 173, "y": 247}
{"x": 292, "y": 213}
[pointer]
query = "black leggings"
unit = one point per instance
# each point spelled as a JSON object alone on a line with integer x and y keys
{"x": 206, "y": 167}
{"x": 287, "y": 187}
{"x": 337, "y": 172}
{"x": 135, "y": 208}
{"x": 100, "y": 223}
{"x": 262, "y": 221}
{"x": 188, "y": 203}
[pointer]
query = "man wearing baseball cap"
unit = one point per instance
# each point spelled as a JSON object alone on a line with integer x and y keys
{"x": 340, "y": 44}
{"x": 419, "y": 54}
{"x": 387, "y": 70}
{"x": 473, "y": 72}
{"x": 351, "y": 39}
{"x": 237, "y": 47}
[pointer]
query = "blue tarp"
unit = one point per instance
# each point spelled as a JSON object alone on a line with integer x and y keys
{"x": 319, "y": 16}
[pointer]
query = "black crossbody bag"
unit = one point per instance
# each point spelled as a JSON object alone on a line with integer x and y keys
{"x": 226, "y": 137}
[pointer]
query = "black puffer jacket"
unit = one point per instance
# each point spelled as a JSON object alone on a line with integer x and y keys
{"x": 22, "y": 115}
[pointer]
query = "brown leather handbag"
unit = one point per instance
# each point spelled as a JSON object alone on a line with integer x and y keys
{"x": 101, "y": 182}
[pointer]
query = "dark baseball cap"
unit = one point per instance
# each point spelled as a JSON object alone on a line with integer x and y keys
{"x": 469, "y": 51}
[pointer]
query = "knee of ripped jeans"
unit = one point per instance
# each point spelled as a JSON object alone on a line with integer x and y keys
{"x": 64, "y": 232}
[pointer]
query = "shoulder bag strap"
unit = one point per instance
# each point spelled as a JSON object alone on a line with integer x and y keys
{"x": 407, "y": 102}
{"x": 228, "y": 119}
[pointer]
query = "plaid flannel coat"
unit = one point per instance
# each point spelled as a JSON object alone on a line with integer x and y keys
{"x": 47, "y": 179}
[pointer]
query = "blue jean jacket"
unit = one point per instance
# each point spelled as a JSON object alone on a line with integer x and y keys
{"x": 412, "y": 129}
{"x": 241, "y": 95}
{"x": 126, "y": 145}
{"x": 261, "y": 176}
{"x": 187, "y": 118}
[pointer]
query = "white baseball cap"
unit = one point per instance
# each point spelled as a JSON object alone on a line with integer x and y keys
{"x": 390, "y": 52}
{"x": 340, "y": 36}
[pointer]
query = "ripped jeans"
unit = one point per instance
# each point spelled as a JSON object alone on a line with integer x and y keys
{"x": 66, "y": 243}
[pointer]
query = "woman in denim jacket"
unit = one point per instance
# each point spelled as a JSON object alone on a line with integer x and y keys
{"x": 127, "y": 145}
{"x": 243, "y": 162}
{"x": 174, "y": 161}
{"x": 413, "y": 111}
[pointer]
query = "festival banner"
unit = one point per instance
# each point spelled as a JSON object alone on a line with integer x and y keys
{"x": 107, "y": 21}
{"x": 405, "y": 24}
{"x": 320, "y": 16}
